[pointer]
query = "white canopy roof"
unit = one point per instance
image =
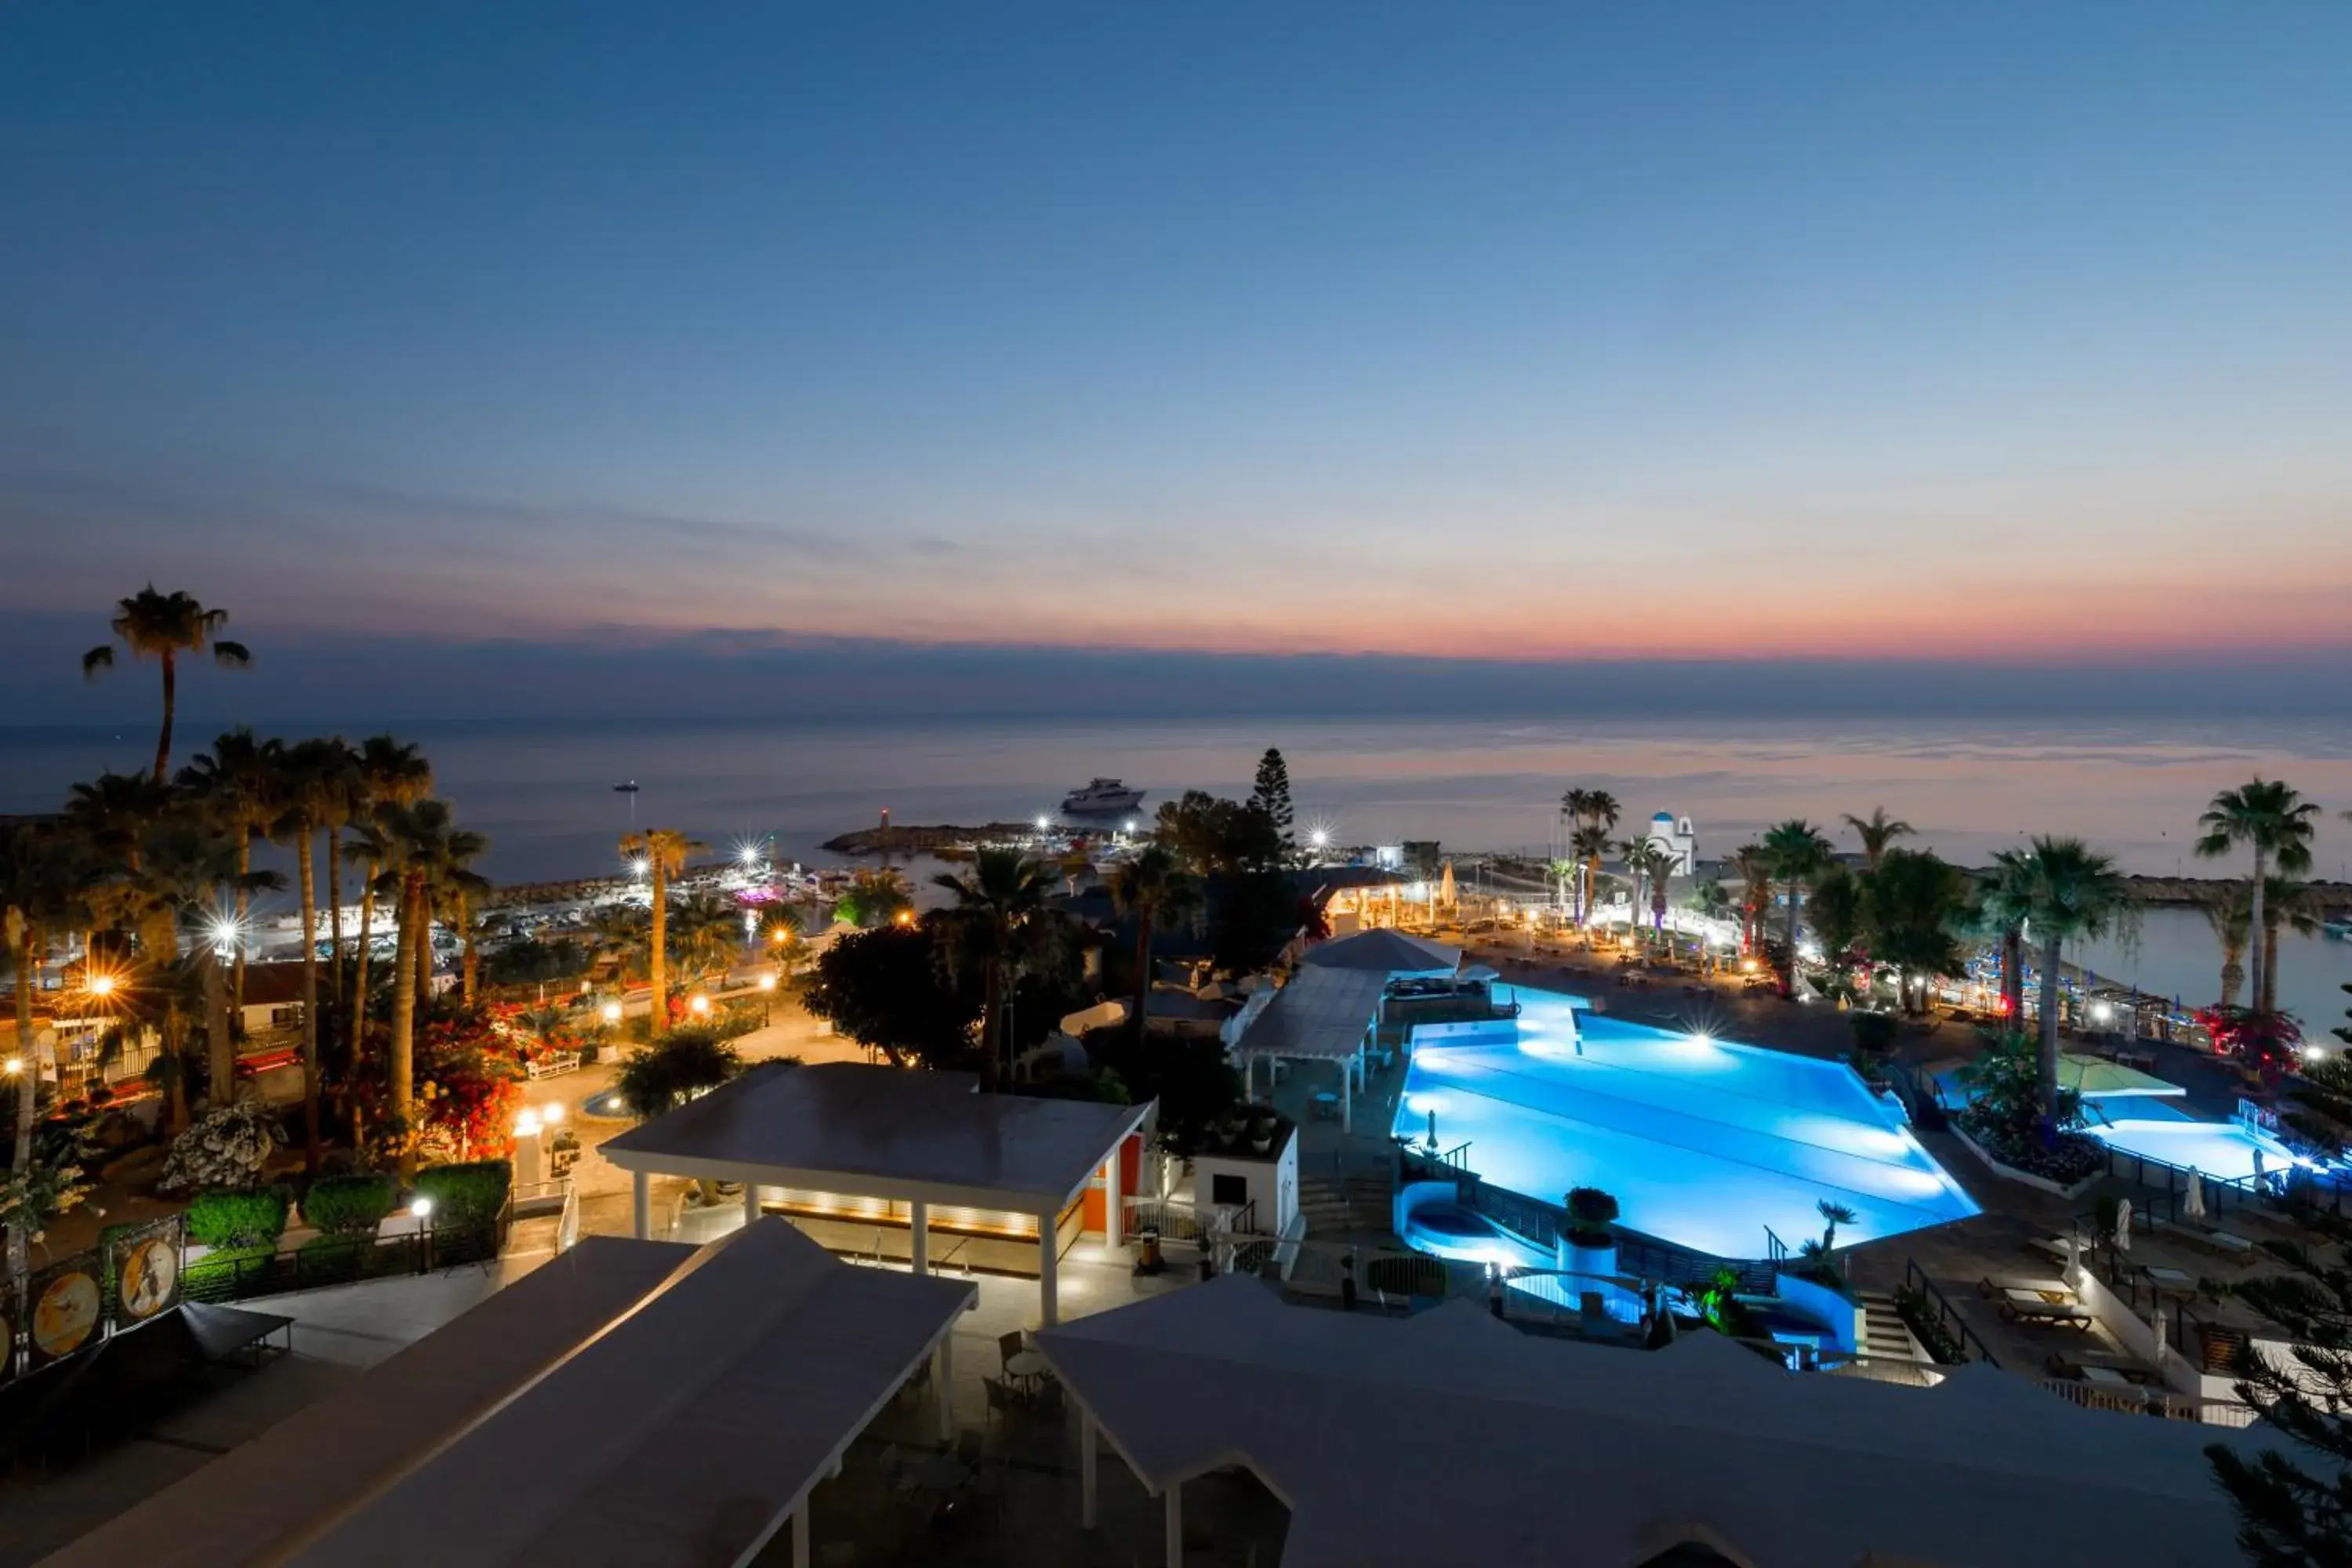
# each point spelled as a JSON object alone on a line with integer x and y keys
{"x": 1387, "y": 951}
{"x": 884, "y": 1131}
{"x": 1321, "y": 1014}
{"x": 630, "y": 1401}
{"x": 1552, "y": 1450}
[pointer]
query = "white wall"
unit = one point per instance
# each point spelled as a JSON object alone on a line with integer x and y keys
{"x": 1271, "y": 1182}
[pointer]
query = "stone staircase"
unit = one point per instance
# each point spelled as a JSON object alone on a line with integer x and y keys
{"x": 1884, "y": 1335}
{"x": 1339, "y": 1207}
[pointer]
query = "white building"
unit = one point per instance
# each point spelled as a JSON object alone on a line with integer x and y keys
{"x": 1678, "y": 838}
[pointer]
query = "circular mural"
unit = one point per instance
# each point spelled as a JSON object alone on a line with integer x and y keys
{"x": 66, "y": 1315}
{"x": 149, "y": 1271}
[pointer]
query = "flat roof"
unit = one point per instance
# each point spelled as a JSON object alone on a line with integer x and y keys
{"x": 690, "y": 1408}
{"x": 1322, "y": 1013}
{"x": 1555, "y": 1449}
{"x": 884, "y": 1131}
{"x": 261, "y": 1498}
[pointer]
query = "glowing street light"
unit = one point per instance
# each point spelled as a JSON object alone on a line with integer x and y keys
{"x": 1321, "y": 837}
{"x": 767, "y": 983}
{"x": 611, "y": 1012}
{"x": 1044, "y": 823}
{"x": 552, "y": 1113}
{"x": 421, "y": 1207}
{"x": 100, "y": 984}
{"x": 640, "y": 865}
{"x": 13, "y": 1066}
{"x": 526, "y": 1124}
{"x": 699, "y": 1004}
{"x": 780, "y": 937}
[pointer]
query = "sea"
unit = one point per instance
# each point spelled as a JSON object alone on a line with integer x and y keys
{"x": 543, "y": 792}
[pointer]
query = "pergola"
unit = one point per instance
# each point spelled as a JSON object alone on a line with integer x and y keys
{"x": 628, "y": 1401}
{"x": 844, "y": 1131}
{"x": 1323, "y": 1014}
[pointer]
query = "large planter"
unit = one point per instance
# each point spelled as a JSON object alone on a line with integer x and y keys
{"x": 2011, "y": 1173}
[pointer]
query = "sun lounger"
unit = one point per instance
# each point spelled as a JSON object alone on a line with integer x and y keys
{"x": 2025, "y": 1307}
{"x": 2227, "y": 1243}
{"x": 1998, "y": 1285}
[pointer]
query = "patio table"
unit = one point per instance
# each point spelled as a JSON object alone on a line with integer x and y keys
{"x": 1026, "y": 1366}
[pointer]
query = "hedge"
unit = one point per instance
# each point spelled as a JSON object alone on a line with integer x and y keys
{"x": 348, "y": 1205}
{"x": 221, "y": 1265}
{"x": 238, "y": 1219}
{"x": 466, "y": 1195}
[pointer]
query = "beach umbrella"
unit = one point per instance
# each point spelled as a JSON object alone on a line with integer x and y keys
{"x": 2123, "y": 1225}
{"x": 2192, "y": 1203}
{"x": 2073, "y": 1259}
{"x": 1445, "y": 894}
{"x": 2258, "y": 1170}
{"x": 1433, "y": 1127}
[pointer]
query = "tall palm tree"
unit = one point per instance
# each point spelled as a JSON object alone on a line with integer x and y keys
{"x": 390, "y": 771}
{"x": 189, "y": 874}
{"x": 2270, "y": 819}
{"x": 996, "y": 924}
{"x": 1154, "y": 888}
{"x": 1798, "y": 853}
{"x": 2227, "y": 914}
{"x": 310, "y": 791}
{"x": 2290, "y": 903}
{"x": 1589, "y": 844}
{"x": 453, "y": 890}
{"x": 618, "y": 934}
{"x": 664, "y": 851}
{"x": 43, "y": 873}
{"x": 2074, "y": 894}
{"x": 1877, "y": 831}
{"x": 339, "y": 803}
{"x": 1754, "y": 869}
{"x": 2005, "y": 903}
{"x": 163, "y": 627}
{"x": 110, "y": 816}
{"x": 414, "y": 848}
{"x": 1651, "y": 863}
{"x": 235, "y": 785}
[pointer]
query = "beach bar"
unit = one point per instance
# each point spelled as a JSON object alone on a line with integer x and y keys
{"x": 900, "y": 1151}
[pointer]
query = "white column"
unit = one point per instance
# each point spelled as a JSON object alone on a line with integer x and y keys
{"x": 918, "y": 1237}
{"x": 1087, "y": 1443}
{"x": 750, "y": 1203}
{"x": 1347, "y": 1099}
{"x": 1175, "y": 1524}
{"x": 943, "y": 1383}
{"x": 1249, "y": 1078}
{"x": 641, "y": 1196}
{"x": 1114, "y": 1220}
{"x": 1049, "y": 1313}
{"x": 801, "y": 1531}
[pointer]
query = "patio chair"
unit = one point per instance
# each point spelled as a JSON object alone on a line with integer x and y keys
{"x": 1010, "y": 1344}
{"x": 2229, "y": 1243}
{"x": 1996, "y": 1286}
{"x": 1047, "y": 1400}
{"x": 1001, "y": 1400}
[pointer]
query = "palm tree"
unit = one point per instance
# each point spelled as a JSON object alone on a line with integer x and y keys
{"x": 235, "y": 785}
{"x": 1577, "y": 804}
{"x": 1755, "y": 870}
{"x": 705, "y": 935}
{"x": 997, "y": 924}
{"x": 664, "y": 851}
{"x": 452, "y": 890}
{"x": 310, "y": 789}
{"x": 2073, "y": 893}
{"x": 114, "y": 812}
{"x": 1913, "y": 907}
{"x": 163, "y": 627}
{"x": 1587, "y": 843}
{"x": 618, "y": 934}
{"x": 2290, "y": 903}
{"x": 412, "y": 847}
{"x": 1836, "y": 908}
{"x": 2005, "y": 903}
{"x": 1877, "y": 831}
{"x": 1798, "y": 853}
{"x": 2227, "y": 914}
{"x": 1652, "y": 863}
{"x": 873, "y": 899}
{"x": 1156, "y": 891}
{"x": 2273, "y": 820}
{"x": 338, "y": 805}
{"x": 43, "y": 873}
{"x": 388, "y": 773}
{"x": 189, "y": 873}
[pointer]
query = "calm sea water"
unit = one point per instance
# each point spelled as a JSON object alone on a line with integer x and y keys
{"x": 543, "y": 792}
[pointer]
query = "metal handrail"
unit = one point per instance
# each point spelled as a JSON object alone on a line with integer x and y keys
{"x": 2150, "y": 1400}
{"x": 1948, "y": 1315}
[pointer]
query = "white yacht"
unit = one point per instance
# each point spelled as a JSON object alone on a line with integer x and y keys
{"x": 1101, "y": 797}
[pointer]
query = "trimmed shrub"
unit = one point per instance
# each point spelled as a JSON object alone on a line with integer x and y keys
{"x": 1873, "y": 1032}
{"x": 467, "y": 1195}
{"x": 348, "y": 1205}
{"x": 1592, "y": 1212}
{"x": 216, "y": 1272}
{"x": 253, "y": 1219}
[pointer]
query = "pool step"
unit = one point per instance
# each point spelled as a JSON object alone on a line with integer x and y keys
{"x": 1884, "y": 1335}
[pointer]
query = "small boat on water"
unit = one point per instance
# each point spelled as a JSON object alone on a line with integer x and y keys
{"x": 628, "y": 788}
{"x": 2340, "y": 929}
{"x": 1101, "y": 797}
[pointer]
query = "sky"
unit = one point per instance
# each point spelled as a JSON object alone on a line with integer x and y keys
{"x": 547, "y": 336}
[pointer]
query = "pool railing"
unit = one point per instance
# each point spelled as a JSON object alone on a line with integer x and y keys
{"x": 1947, "y": 1316}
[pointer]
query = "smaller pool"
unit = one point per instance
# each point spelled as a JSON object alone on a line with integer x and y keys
{"x": 2223, "y": 1149}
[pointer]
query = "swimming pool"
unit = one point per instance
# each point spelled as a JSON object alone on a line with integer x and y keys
{"x": 2155, "y": 1130}
{"x": 1703, "y": 1143}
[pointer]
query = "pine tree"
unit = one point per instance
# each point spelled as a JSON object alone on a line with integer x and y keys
{"x": 1271, "y": 796}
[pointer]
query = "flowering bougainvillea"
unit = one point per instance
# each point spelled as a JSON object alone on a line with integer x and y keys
{"x": 467, "y": 1070}
{"x": 2269, "y": 1044}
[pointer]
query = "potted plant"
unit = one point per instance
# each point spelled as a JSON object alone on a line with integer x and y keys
{"x": 1590, "y": 1246}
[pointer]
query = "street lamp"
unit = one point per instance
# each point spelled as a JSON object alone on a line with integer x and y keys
{"x": 99, "y": 985}
{"x": 640, "y": 865}
{"x": 767, "y": 983}
{"x": 1044, "y": 823}
{"x": 611, "y": 1012}
{"x": 699, "y": 1004}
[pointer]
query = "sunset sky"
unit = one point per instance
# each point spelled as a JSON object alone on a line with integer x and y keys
{"x": 1746, "y": 331}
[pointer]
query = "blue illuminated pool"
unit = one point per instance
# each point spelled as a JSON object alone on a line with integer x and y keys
{"x": 1703, "y": 1144}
